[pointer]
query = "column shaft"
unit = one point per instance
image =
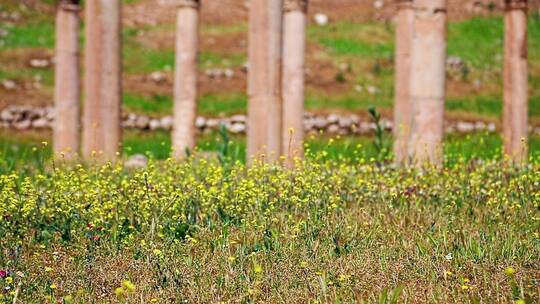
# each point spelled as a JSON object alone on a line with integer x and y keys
{"x": 515, "y": 113}
{"x": 428, "y": 80}
{"x": 264, "y": 80}
{"x": 103, "y": 93}
{"x": 185, "y": 80}
{"x": 66, "y": 131}
{"x": 294, "y": 48}
{"x": 402, "y": 98}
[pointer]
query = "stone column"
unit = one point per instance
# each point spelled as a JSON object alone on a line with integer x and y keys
{"x": 428, "y": 80}
{"x": 515, "y": 119}
{"x": 264, "y": 80}
{"x": 402, "y": 99}
{"x": 103, "y": 82}
{"x": 185, "y": 80}
{"x": 294, "y": 48}
{"x": 67, "y": 84}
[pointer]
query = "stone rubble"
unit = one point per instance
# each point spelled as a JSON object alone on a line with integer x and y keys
{"x": 32, "y": 117}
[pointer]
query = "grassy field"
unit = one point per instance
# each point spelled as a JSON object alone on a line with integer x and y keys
{"x": 209, "y": 232}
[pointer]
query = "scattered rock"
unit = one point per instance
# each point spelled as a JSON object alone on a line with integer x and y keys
{"x": 237, "y": 128}
{"x": 23, "y": 124}
{"x": 320, "y": 123}
{"x": 157, "y": 77}
{"x": 321, "y": 19}
{"x": 154, "y": 124}
{"x": 7, "y": 115}
{"x": 332, "y": 129}
{"x": 378, "y": 4}
{"x": 200, "y": 122}
{"x": 220, "y": 73}
{"x": 142, "y": 122}
{"x": 137, "y": 161}
{"x": 39, "y": 63}
{"x": 239, "y": 118}
{"x": 167, "y": 122}
{"x": 480, "y": 126}
{"x": 212, "y": 123}
{"x": 455, "y": 62}
{"x": 26, "y": 117}
{"x": 40, "y": 123}
{"x": 464, "y": 127}
{"x": 372, "y": 89}
{"x": 9, "y": 84}
{"x": 229, "y": 73}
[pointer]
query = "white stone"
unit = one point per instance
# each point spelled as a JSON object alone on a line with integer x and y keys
{"x": 40, "y": 123}
{"x": 237, "y": 128}
{"x": 154, "y": 124}
{"x": 23, "y": 124}
{"x": 372, "y": 89}
{"x": 321, "y": 19}
{"x": 464, "y": 127}
{"x": 229, "y": 73}
{"x": 212, "y": 123}
{"x": 158, "y": 77}
{"x": 200, "y": 122}
{"x": 332, "y": 129}
{"x": 39, "y": 63}
{"x": 9, "y": 84}
{"x": 142, "y": 122}
{"x": 238, "y": 118}
{"x": 137, "y": 161}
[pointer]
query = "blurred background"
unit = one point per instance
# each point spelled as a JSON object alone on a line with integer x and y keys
{"x": 349, "y": 68}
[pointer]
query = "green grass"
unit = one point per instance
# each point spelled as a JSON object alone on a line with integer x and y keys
{"x": 154, "y": 105}
{"x": 214, "y": 59}
{"x": 483, "y": 105}
{"x": 209, "y": 104}
{"x": 28, "y": 151}
{"x": 346, "y": 38}
{"x": 201, "y": 231}
{"x": 32, "y": 35}
{"x": 227, "y": 103}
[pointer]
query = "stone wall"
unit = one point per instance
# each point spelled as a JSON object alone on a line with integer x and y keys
{"x": 30, "y": 117}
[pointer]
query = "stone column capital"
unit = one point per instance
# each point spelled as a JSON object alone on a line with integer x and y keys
{"x": 404, "y": 4}
{"x": 515, "y": 4}
{"x": 431, "y": 5}
{"x": 295, "y": 5}
{"x": 69, "y": 5}
{"x": 186, "y": 3}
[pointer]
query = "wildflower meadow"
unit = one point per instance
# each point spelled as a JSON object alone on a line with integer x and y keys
{"x": 204, "y": 231}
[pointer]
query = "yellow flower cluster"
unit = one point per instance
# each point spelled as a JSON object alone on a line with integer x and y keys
{"x": 169, "y": 198}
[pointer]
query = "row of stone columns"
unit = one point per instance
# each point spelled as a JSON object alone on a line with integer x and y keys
{"x": 276, "y": 83}
{"x": 421, "y": 44}
{"x": 421, "y": 33}
{"x": 101, "y": 132}
{"x": 277, "y": 45}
